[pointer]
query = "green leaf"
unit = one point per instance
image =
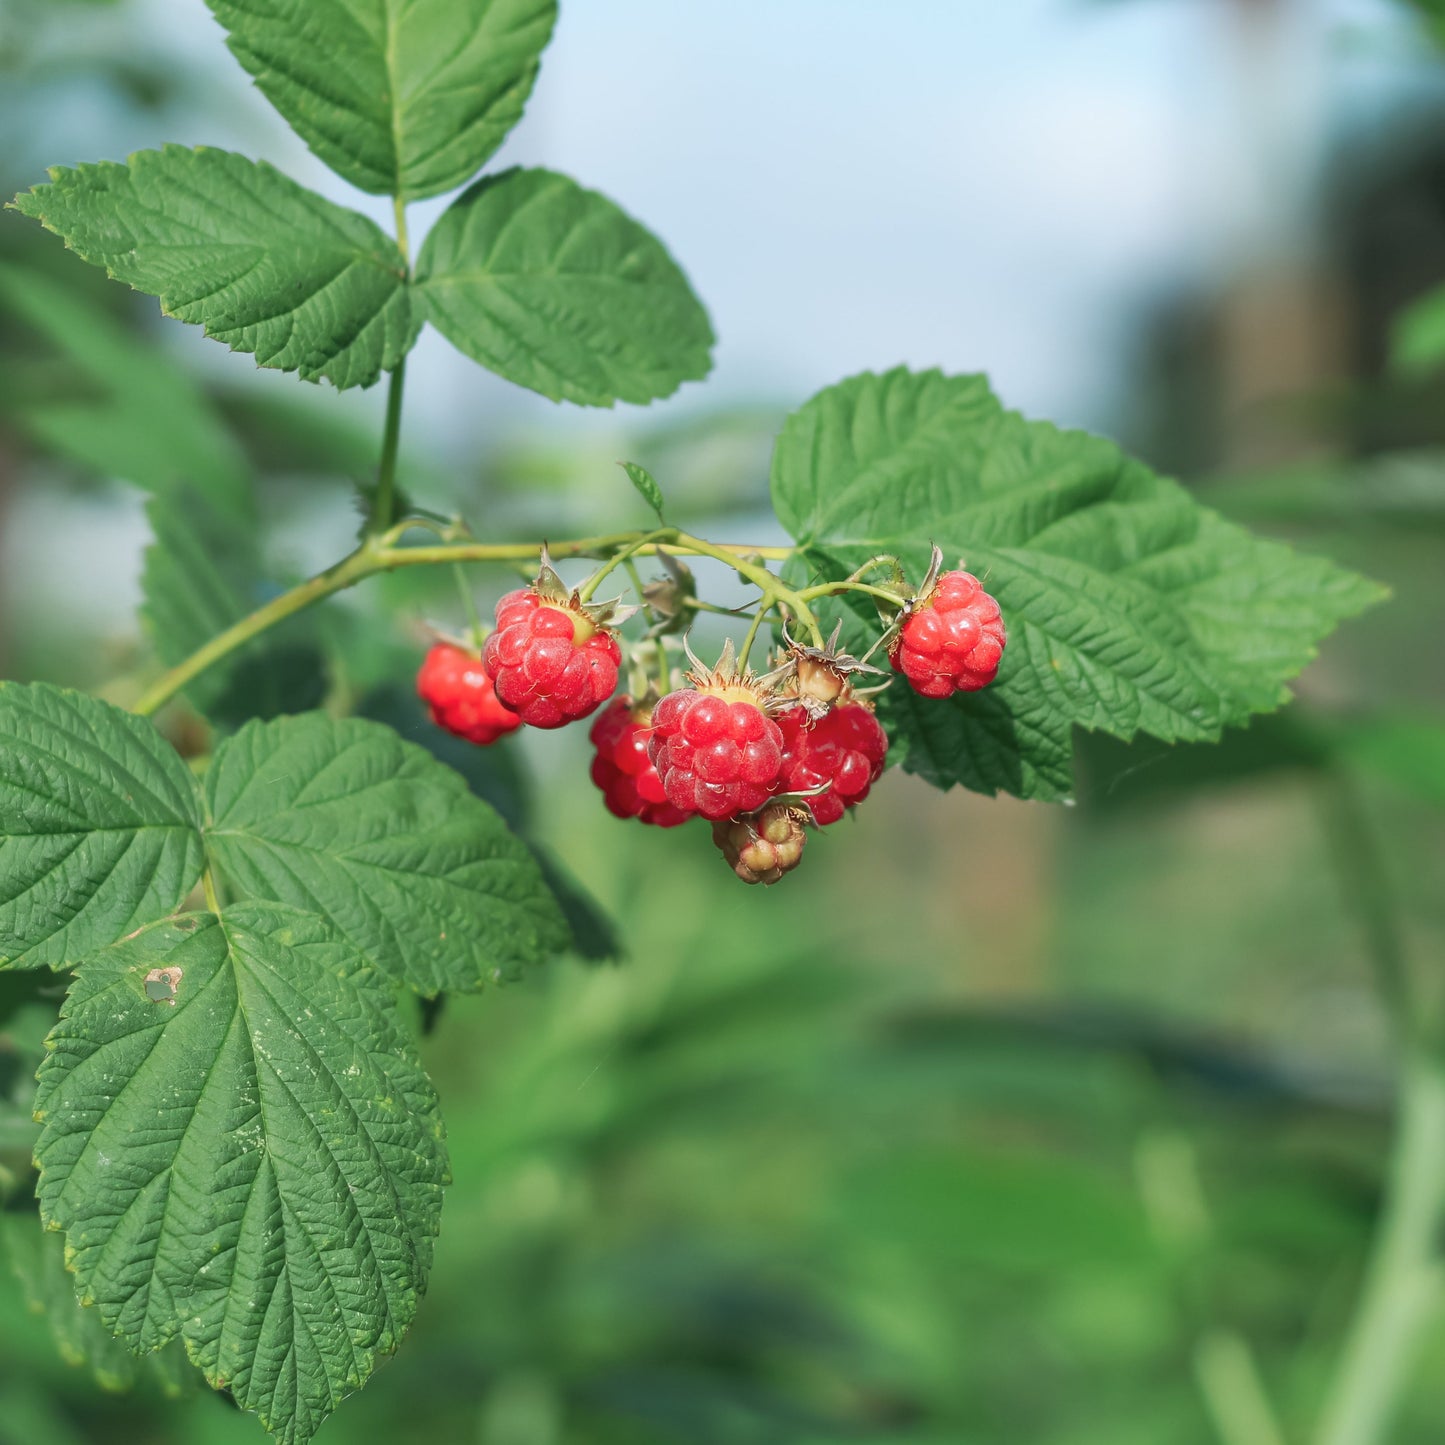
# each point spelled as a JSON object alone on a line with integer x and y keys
{"x": 402, "y": 97}
{"x": 646, "y": 485}
{"x": 99, "y": 825}
{"x": 978, "y": 742}
{"x": 1417, "y": 337}
{"x": 555, "y": 288}
{"x": 38, "y": 1258}
{"x": 1129, "y": 607}
{"x": 231, "y": 244}
{"x": 202, "y": 574}
{"x": 344, "y": 818}
{"x": 252, "y": 1160}
{"x": 126, "y": 411}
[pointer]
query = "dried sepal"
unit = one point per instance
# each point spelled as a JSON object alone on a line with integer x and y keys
{"x": 667, "y": 598}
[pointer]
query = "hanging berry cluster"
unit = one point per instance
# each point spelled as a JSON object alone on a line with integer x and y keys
{"x": 761, "y": 757}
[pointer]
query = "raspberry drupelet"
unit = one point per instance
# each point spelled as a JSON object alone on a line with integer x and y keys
{"x": 552, "y": 662}
{"x": 845, "y": 749}
{"x": 716, "y": 750}
{"x": 630, "y": 785}
{"x": 458, "y": 689}
{"x": 952, "y": 639}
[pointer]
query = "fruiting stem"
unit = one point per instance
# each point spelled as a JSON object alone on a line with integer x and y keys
{"x": 589, "y": 588}
{"x": 635, "y": 577}
{"x": 1403, "y": 1280}
{"x": 596, "y": 547}
{"x": 378, "y": 554}
{"x": 771, "y": 586}
{"x": 469, "y": 605}
{"x": 751, "y": 637}
{"x": 836, "y": 589}
{"x": 882, "y": 559}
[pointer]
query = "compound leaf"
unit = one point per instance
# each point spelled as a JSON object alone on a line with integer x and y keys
{"x": 401, "y": 97}
{"x": 99, "y": 825}
{"x": 345, "y": 818}
{"x": 233, "y": 245}
{"x": 557, "y": 289}
{"x": 1130, "y": 608}
{"x": 243, "y": 1150}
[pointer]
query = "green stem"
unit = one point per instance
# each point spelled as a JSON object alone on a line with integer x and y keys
{"x": 748, "y": 641}
{"x": 345, "y": 573}
{"x": 398, "y": 210}
{"x": 385, "y": 505}
{"x": 770, "y": 585}
{"x": 589, "y": 588}
{"x": 696, "y": 604}
{"x": 469, "y": 606}
{"x": 733, "y": 553}
{"x": 638, "y": 586}
{"x": 1403, "y": 1280}
{"x": 836, "y": 589}
{"x": 377, "y": 555}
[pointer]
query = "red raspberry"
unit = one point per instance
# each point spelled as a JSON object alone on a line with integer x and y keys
{"x": 845, "y": 748}
{"x": 459, "y": 692}
{"x": 552, "y": 662}
{"x": 953, "y": 639}
{"x": 763, "y": 846}
{"x": 630, "y": 785}
{"x": 717, "y": 752}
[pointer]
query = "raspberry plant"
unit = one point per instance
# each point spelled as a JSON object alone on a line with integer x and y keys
{"x": 238, "y": 1139}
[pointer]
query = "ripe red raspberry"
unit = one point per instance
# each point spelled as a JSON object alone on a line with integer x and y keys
{"x": 630, "y": 785}
{"x": 552, "y": 662}
{"x": 762, "y": 847}
{"x": 715, "y": 749}
{"x": 952, "y": 640}
{"x": 845, "y": 748}
{"x": 458, "y": 690}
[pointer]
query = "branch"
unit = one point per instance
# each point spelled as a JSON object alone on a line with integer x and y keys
{"x": 380, "y": 554}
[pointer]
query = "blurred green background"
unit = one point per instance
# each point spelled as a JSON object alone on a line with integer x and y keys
{"x": 994, "y": 1123}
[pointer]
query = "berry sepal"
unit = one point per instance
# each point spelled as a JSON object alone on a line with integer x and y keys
{"x": 818, "y": 678}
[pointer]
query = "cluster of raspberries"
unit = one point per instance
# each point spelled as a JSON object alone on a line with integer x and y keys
{"x": 760, "y": 759}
